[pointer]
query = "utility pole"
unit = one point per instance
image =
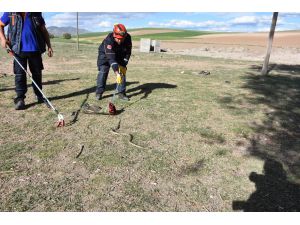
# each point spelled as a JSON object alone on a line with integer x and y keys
{"x": 77, "y": 33}
{"x": 264, "y": 70}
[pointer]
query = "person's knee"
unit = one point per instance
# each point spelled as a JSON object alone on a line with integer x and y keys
{"x": 37, "y": 75}
{"x": 18, "y": 70}
{"x": 36, "y": 70}
{"x": 20, "y": 78}
{"x": 104, "y": 69}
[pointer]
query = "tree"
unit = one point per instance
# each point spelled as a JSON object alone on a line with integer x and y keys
{"x": 77, "y": 34}
{"x": 264, "y": 70}
{"x": 67, "y": 36}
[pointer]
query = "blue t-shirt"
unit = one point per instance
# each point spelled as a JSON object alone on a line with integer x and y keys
{"x": 29, "y": 41}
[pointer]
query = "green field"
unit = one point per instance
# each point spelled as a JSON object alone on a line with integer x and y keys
{"x": 220, "y": 142}
{"x": 172, "y": 35}
{"x": 97, "y": 37}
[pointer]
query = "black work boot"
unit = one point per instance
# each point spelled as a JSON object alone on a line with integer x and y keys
{"x": 98, "y": 96}
{"x": 123, "y": 96}
{"x": 19, "y": 104}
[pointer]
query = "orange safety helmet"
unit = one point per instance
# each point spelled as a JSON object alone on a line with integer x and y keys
{"x": 119, "y": 31}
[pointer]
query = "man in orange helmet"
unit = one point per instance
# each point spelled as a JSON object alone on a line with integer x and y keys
{"x": 114, "y": 51}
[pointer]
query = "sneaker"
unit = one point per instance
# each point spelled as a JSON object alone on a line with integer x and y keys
{"x": 19, "y": 104}
{"x": 123, "y": 96}
{"x": 98, "y": 96}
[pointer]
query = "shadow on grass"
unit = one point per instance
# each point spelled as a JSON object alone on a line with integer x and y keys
{"x": 273, "y": 192}
{"x": 276, "y": 139}
{"x": 83, "y": 92}
{"x": 147, "y": 89}
{"x": 291, "y": 69}
{"x": 75, "y": 114}
{"x": 281, "y": 128}
{"x": 51, "y": 82}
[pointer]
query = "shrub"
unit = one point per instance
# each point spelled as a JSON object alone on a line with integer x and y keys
{"x": 67, "y": 36}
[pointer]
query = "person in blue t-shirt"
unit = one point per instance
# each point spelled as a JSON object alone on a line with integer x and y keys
{"x": 27, "y": 37}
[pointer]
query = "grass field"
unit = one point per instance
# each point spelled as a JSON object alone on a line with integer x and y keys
{"x": 165, "y": 34}
{"x": 220, "y": 142}
{"x": 172, "y": 35}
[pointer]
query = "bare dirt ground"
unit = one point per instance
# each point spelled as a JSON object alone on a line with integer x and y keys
{"x": 245, "y": 46}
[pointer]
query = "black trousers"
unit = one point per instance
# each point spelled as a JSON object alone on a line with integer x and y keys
{"x": 34, "y": 60}
{"x": 102, "y": 78}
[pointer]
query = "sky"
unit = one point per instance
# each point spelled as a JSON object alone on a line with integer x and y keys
{"x": 225, "y": 22}
{"x": 204, "y": 21}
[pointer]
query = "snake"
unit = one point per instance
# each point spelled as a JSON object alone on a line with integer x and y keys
{"x": 115, "y": 131}
{"x": 90, "y": 109}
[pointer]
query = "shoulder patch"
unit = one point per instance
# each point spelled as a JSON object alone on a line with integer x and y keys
{"x": 109, "y": 47}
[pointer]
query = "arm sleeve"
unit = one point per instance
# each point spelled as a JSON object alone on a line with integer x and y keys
{"x": 42, "y": 20}
{"x": 111, "y": 55}
{"x": 4, "y": 20}
{"x": 38, "y": 19}
{"x": 128, "y": 51}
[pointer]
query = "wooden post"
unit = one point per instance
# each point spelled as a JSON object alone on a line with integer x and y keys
{"x": 77, "y": 34}
{"x": 264, "y": 70}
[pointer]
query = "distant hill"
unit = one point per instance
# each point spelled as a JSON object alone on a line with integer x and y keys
{"x": 58, "y": 31}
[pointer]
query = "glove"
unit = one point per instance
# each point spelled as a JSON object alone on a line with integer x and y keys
{"x": 122, "y": 70}
{"x": 119, "y": 78}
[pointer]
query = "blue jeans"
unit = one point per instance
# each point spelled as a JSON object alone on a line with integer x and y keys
{"x": 36, "y": 66}
{"x": 102, "y": 77}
